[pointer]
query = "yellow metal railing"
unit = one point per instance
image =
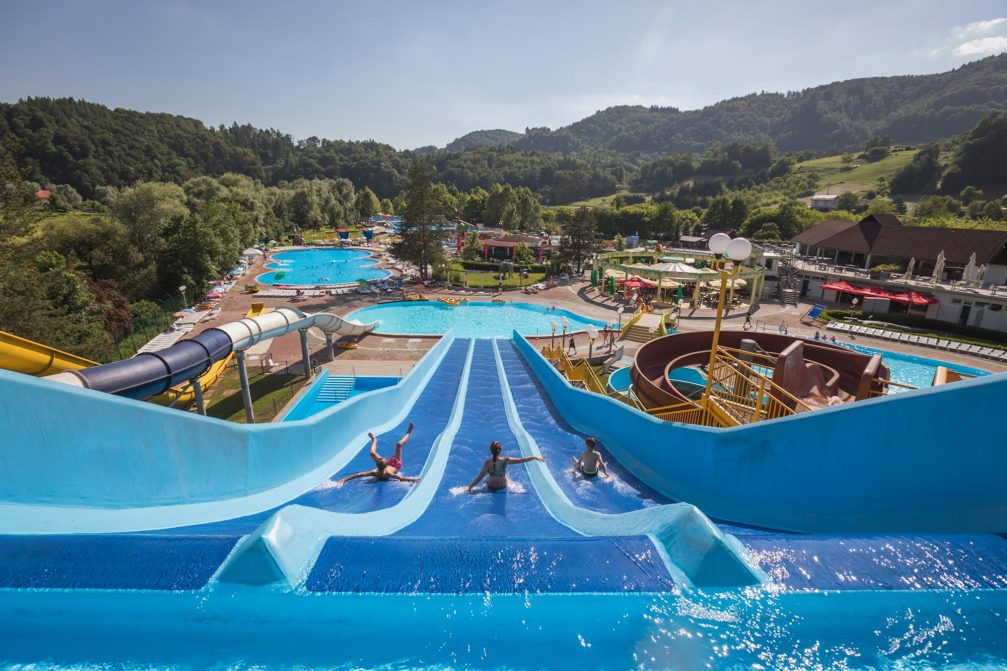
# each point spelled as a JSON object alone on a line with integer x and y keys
{"x": 880, "y": 385}
{"x": 747, "y": 394}
{"x": 637, "y": 316}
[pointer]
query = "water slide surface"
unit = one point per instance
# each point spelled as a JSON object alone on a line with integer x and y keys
{"x": 796, "y": 561}
{"x": 483, "y": 541}
{"x": 31, "y": 358}
{"x": 430, "y": 413}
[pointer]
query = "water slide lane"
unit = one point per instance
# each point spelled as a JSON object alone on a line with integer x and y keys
{"x": 486, "y": 542}
{"x": 793, "y": 560}
{"x": 430, "y": 414}
{"x": 558, "y": 442}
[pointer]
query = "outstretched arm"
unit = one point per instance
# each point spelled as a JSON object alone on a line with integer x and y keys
{"x": 522, "y": 460}
{"x": 603, "y": 467}
{"x": 576, "y": 463}
{"x": 403, "y": 478}
{"x": 361, "y": 474}
{"x": 482, "y": 473}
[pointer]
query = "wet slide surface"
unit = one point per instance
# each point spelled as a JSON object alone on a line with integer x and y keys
{"x": 430, "y": 413}
{"x": 796, "y": 561}
{"x": 558, "y": 442}
{"x": 475, "y": 542}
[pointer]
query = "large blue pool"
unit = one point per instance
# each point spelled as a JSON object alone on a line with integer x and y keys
{"x": 917, "y": 371}
{"x": 472, "y": 319}
{"x": 321, "y": 266}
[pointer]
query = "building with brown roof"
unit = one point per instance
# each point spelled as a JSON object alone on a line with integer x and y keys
{"x": 837, "y": 250}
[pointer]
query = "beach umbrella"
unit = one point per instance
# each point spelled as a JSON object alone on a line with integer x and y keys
{"x": 939, "y": 267}
{"x": 679, "y": 294}
{"x": 594, "y": 277}
{"x": 969, "y": 273}
{"x": 611, "y": 285}
{"x": 910, "y": 267}
{"x": 981, "y": 273}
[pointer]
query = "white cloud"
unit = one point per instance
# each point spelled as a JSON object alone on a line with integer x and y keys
{"x": 980, "y": 27}
{"x": 983, "y": 46}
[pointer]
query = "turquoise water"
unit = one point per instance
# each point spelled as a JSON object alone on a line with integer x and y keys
{"x": 322, "y": 266}
{"x": 750, "y": 629}
{"x": 917, "y": 371}
{"x": 472, "y": 319}
{"x": 310, "y": 404}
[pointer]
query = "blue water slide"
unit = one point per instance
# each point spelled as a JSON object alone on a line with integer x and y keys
{"x": 487, "y": 541}
{"x": 792, "y": 560}
{"x": 431, "y": 413}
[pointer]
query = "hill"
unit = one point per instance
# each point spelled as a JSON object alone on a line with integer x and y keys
{"x": 913, "y": 109}
{"x": 484, "y": 138}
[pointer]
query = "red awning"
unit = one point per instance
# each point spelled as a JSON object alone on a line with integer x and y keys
{"x": 914, "y": 298}
{"x": 911, "y": 297}
{"x": 636, "y": 283}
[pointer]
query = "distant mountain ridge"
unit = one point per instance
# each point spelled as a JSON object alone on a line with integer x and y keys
{"x": 912, "y": 109}
{"x": 484, "y": 138}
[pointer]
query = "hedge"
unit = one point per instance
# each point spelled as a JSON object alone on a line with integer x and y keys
{"x": 495, "y": 266}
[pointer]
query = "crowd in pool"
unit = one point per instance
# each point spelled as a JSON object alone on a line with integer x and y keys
{"x": 588, "y": 464}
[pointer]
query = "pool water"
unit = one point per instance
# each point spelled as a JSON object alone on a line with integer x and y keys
{"x": 471, "y": 319}
{"x": 321, "y": 266}
{"x": 328, "y": 390}
{"x": 913, "y": 370}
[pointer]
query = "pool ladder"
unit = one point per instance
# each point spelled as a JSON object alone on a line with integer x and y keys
{"x": 336, "y": 389}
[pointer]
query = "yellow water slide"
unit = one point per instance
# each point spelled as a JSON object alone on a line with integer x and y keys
{"x": 27, "y": 356}
{"x": 181, "y": 395}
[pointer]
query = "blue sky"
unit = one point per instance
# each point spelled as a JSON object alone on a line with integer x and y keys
{"x": 424, "y": 72}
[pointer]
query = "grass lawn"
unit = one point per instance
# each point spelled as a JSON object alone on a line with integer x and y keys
{"x": 487, "y": 280}
{"x": 838, "y": 178}
{"x": 270, "y": 393}
{"x": 599, "y": 200}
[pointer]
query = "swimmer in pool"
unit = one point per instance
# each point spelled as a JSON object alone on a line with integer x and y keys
{"x": 590, "y": 461}
{"x": 385, "y": 469}
{"x": 495, "y": 469}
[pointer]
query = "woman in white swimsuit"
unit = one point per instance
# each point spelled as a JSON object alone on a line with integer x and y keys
{"x": 495, "y": 469}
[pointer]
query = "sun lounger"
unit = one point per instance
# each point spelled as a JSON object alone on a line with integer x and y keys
{"x": 929, "y": 342}
{"x": 987, "y": 352}
{"x": 943, "y": 344}
{"x": 914, "y": 339}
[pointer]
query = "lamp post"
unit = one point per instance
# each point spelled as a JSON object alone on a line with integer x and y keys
{"x": 592, "y": 333}
{"x": 181, "y": 291}
{"x": 566, "y": 323}
{"x": 552, "y": 340}
{"x": 736, "y": 250}
{"x": 620, "y": 310}
{"x": 855, "y": 301}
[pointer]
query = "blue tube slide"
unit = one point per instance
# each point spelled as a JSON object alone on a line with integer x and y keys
{"x": 153, "y": 373}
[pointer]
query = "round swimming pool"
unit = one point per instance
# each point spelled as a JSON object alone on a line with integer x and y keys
{"x": 471, "y": 319}
{"x": 321, "y": 266}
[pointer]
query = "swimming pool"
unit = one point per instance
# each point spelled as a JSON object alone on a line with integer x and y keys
{"x": 328, "y": 390}
{"x": 321, "y": 266}
{"x": 471, "y": 319}
{"x": 917, "y": 371}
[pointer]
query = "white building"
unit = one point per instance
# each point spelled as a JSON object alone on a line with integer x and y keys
{"x": 824, "y": 203}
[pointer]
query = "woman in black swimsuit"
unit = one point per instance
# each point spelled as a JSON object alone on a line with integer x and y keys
{"x": 495, "y": 469}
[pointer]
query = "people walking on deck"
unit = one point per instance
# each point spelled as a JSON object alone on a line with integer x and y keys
{"x": 572, "y": 348}
{"x": 495, "y": 468}
{"x": 385, "y": 469}
{"x": 589, "y": 463}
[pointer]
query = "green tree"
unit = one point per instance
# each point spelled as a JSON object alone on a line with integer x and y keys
{"x": 473, "y": 249}
{"x": 475, "y": 205}
{"x": 366, "y": 203}
{"x": 386, "y": 206}
{"x": 579, "y": 238}
{"x": 523, "y": 254}
{"x": 420, "y": 236}
{"x": 619, "y": 242}
{"x": 848, "y": 201}
{"x": 768, "y": 231}
{"x": 969, "y": 195}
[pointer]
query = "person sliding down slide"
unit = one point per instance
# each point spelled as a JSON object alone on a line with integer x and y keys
{"x": 495, "y": 469}
{"x": 590, "y": 461}
{"x": 385, "y": 469}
